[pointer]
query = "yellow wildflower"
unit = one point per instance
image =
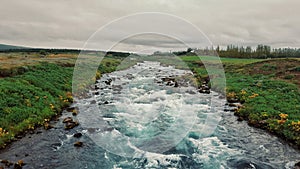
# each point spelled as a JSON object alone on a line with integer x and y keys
{"x": 253, "y": 95}
{"x": 281, "y": 121}
{"x": 243, "y": 92}
{"x": 283, "y": 116}
{"x": 231, "y": 95}
{"x": 51, "y": 106}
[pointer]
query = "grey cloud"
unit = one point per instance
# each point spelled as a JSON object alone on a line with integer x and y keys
{"x": 70, "y": 23}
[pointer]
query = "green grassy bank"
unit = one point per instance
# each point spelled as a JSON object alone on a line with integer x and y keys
{"x": 29, "y": 99}
{"x": 270, "y": 100}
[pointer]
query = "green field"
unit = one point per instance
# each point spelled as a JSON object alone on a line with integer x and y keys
{"x": 223, "y": 60}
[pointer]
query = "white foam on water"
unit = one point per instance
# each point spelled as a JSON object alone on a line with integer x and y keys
{"x": 69, "y": 136}
{"x": 146, "y": 112}
{"x": 212, "y": 151}
{"x": 160, "y": 160}
{"x": 105, "y": 155}
{"x": 115, "y": 167}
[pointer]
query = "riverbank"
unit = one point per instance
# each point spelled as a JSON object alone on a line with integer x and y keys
{"x": 268, "y": 91}
{"x": 35, "y": 90}
{"x": 32, "y": 99}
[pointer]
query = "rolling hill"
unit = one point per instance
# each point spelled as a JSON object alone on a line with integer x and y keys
{"x": 9, "y": 47}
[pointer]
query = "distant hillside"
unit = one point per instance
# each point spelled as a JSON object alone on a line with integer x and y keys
{"x": 10, "y": 47}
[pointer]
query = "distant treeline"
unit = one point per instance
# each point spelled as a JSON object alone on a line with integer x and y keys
{"x": 41, "y": 50}
{"x": 261, "y": 51}
{"x": 45, "y": 51}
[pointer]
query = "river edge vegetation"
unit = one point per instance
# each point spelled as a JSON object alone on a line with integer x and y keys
{"x": 34, "y": 90}
{"x": 36, "y": 86}
{"x": 268, "y": 90}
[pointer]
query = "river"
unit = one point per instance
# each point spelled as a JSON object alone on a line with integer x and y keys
{"x": 151, "y": 116}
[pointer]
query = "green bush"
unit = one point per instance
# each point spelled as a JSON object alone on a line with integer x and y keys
{"x": 268, "y": 67}
{"x": 289, "y": 77}
{"x": 297, "y": 69}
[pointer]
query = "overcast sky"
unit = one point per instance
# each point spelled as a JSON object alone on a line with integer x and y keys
{"x": 70, "y": 23}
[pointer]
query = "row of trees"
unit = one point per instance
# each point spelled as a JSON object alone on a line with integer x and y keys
{"x": 261, "y": 51}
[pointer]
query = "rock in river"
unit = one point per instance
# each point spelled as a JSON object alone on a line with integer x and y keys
{"x": 67, "y": 119}
{"x": 77, "y": 135}
{"x": 70, "y": 123}
{"x": 78, "y": 144}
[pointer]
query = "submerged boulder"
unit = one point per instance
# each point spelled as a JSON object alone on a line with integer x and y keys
{"x": 71, "y": 125}
{"x": 93, "y": 102}
{"x": 78, "y": 144}
{"x": 247, "y": 164}
{"x": 77, "y": 135}
{"x": 297, "y": 165}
